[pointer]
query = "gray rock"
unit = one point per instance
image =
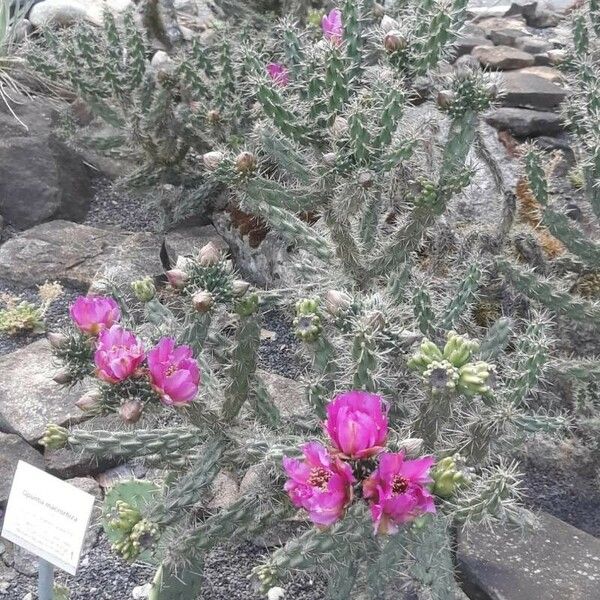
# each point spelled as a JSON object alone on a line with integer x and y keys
{"x": 507, "y": 36}
{"x": 554, "y": 562}
{"x": 61, "y": 13}
{"x": 532, "y": 45}
{"x": 542, "y": 60}
{"x": 521, "y": 8}
{"x": 286, "y": 393}
{"x": 185, "y": 241}
{"x": 465, "y": 44}
{"x": 162, "y": 62}
{"x": 41, "y": 178}
{"x": 78, "y": 253}
{"x": 141, "y": 591}
{"x": 225, "y": 491}
{"x": 549, "y": 73}
{"x": 503, "y": 58}
{"x": 478, "y": 13}
{"x": 108, "y": 478}
{"x": 13, "y": 449}
{"x": 523, "y": 122}
{"x": 488, "y": 25}
{"x": 29, "y": 399}
{"x": 531, "y": 91}
{"x": 543, "y": 18}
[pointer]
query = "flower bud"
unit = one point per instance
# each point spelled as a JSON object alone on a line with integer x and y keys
{"x": 330, "y": 158}
{"x": 411, "y": 445}
{"x": 307, "y": 306}
{"x": 388, "y": 24}
{"x": 447, "y": 477}
{"x": 213, "y": 116}
{"x": 340, "y": 126}
{"x": 428, "y": 352}
{"x": 336, "y": 301}
{"x": 245, "y": 162}
{"x": 209, "y": 255}
{"x": 459, "y": 348}
{"x": 202, "y": 301}
{"x": 375, "y": 320}
{"x": 177, "y": 278}
{"x": 476, "y": 378}
{"x": 308, "y": 327}
{"x": 55, "y": 437}
{"x": 247, "y": 306}
{"x": 394, "y": 41}
{"x": 131, "y": 411}
{"x": 144, "y": 289}
{"x": 57, "y": 340}
{"x": 445, "y": 99}
{"x": 63, "y": 376}
{"x": 378, "y": 10}
{"x": 239, "y": 287}
{"x": 212, "y": 159}
{"x": 90, "y": 401}
{"x": 441, "y": 376}
{"x": 365, "y": 179}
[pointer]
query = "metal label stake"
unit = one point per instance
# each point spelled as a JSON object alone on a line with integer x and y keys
{"x": 45, "y": 580}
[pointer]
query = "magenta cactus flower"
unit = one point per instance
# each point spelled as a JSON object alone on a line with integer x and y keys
{"x": 397, "y": 491}
{"x": 357, "y": 424}
{"x": 93, "y": 314}
{"x": 332, "y": 25}
{"x": 174, "y": 372}
{"x": 321, "y": 484}
{"x": 278, "y": 74}
{"x": 118, "y": 354}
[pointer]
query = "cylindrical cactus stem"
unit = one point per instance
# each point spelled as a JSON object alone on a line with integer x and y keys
{"x": 433, "y": 413}
{"x": 264, "y": 408}
{"x": 123, "y": 444}
{"x": 243, "y": 366}
{"x": 196, "y": 330}
{"x": 365, "y": 361}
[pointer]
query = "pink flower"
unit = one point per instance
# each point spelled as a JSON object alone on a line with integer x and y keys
{"x": 397, "y": 492}
{"x": 174, "y": 372}
{"x": 118, "y": 354}
{"x": 357, "y": 424}
{"x": 332, "y": 25}
{"x": 321, "y": 484}
{"x": 278, "y": 74}
{"x": 92, "y": 314}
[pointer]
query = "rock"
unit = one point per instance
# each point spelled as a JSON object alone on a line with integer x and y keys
{"x": 522, "y": 122}
{"x": 500, "y": 24}
{"x": 549, "y": 73}
{"x": 465, "y": 44}
{"x": 531, "y": 91}
{"x": 41, "y": 178}
{"x": 141, "y": 591}
{"x": 554, "y": 562}
{"x": 185, "y": 241}
{"x": 479, "y": 13}
{"x": 506, "y": 36}
{"x": 29, "y": 399}
{"x": 502, "y": 58}
{"x": 532, "y": 45}
{"x": 543, "y": 18}
{"x": 225, "y": 491}
{"x": 557, "y": 56}
{"x": 162, "y": 62}
{"x": 13, "y": 449}
{"x": 286, "y": 393}
{"x": 521, "y": 8}
{"x": 541, "y": 60}
{"x": 88, "y": 485}
{"x": 127, "y": 471}
{"x": 63, "y": 13}
{"x": 78, "y": 253}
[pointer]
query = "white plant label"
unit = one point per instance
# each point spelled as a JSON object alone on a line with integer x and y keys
{"x": 47, "y": 517}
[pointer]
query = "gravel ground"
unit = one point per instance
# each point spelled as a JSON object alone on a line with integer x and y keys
{"x": 56, "y": 317}
{"x": 280, "y": 354}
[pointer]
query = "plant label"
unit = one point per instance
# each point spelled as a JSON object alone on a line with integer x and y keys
{"x": 47, "y": 517}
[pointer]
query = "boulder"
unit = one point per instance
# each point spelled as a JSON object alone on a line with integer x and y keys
{"x": 465, "y": 44}
{"x": 488, "y": 25}
{"x": 41, "y": 178}
{"x": 61, "y": 250}
{"x": 503, "y": 58}
{"x": 531, "y": 91}
{"x": 286, "y": 393}
{"x": 13, "y": 449}
{"x": 507, "y": 36}
{"x": 549, "y": 73}
{"x": 29, "y": 398}
{"x": 64, "y": 13}
{"x": 543, "y": 18}
{"x": 523, "y": 122}
{"x": 532, "y": 45}
{"x": 556, "y": 561}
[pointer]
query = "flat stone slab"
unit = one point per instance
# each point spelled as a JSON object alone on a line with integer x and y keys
{"x": 525, "y": 90}
{"x": 554, "y": 562}
{"x": 524, "y": 122}
{"x": 12, "y": 450}
{"x": 287, "y": 394}
{"x": 503, "y": 58}
{"x": 29, "y": 399}
{"x": 78, "y": 253}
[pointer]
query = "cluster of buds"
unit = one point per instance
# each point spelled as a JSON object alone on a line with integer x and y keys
{"x": 451, "y": 369}
{"x": 138, "y": 534}
{"x": 144, "y": 289}
{"x": 307, "y": 323}
{"x": 448, "y": 477}
{"x": 55, "y": 437}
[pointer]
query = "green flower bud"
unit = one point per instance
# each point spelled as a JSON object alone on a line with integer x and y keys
{"x": 124, "y": 517}
{"x": 441, "y": 376}
{"x": 308, "y": 327}
{"x": 447, "y": 477}
{"x": 55, "y": 437}
{"x": 476, "y": 378}
{"x": 459, "y": 349}
{"x": 144, "y": 289}
{"x": 246, "y": 306}
{"x": 428, "y": 352}
{"x": 307, "y": 306}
